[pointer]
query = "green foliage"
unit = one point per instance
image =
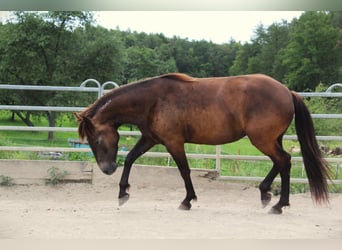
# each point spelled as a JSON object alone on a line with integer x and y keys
{"x": 321, "y": 105}
{"x": 65, "y": 48}
{"x": 311, "y": 55}
{"x": 263, "y": 54}
{"x": 301, "y": 54}
{"x": 6, "y": 180}
{"x": 54, "y": 48}
{"x": 56, "y": 176}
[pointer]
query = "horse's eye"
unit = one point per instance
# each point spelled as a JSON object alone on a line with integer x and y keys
{"x": 98, "y": 141}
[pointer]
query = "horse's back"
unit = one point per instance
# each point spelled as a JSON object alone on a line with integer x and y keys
{"x": 244, "y": 96}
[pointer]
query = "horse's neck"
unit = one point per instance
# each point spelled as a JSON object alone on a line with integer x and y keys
{"x": 125, "y": 109}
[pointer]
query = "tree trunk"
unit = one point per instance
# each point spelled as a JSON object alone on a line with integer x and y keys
{"x": 25, "y": 119}
{"x": 52, "y": 122}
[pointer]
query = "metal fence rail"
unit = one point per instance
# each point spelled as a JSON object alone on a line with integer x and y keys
{"x": 100, "y": 89}
{"x": 40, "y": 108}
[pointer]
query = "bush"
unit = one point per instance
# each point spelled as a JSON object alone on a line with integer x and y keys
{"x": 6, "y": 180}
{"x": 55, "y": 176}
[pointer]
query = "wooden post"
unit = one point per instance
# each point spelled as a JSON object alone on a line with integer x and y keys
{"x": 218, "y": 159}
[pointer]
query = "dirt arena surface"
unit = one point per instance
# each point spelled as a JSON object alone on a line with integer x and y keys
{"x": 224, "y": 210}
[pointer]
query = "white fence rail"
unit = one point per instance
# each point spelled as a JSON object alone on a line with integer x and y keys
{"x": 100, "y": 89}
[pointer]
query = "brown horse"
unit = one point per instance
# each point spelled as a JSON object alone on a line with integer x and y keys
{"x": 174, "y": 109}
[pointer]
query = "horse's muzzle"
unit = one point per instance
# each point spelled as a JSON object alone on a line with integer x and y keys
{"x": 108, "y": 168}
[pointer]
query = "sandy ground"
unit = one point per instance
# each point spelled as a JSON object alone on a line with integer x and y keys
{"x": 224, "y": 210}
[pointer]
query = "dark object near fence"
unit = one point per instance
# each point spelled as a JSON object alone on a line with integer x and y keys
{"x": 336, "y": 151}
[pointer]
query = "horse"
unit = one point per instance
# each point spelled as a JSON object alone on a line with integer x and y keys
{"x": 174, "y": 109}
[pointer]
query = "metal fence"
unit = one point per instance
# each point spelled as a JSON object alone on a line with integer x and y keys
{"x": 100, "y": 89}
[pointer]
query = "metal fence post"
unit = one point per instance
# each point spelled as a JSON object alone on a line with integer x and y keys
{"x": 83, "y": 84}
{"x": 108, "y": 83}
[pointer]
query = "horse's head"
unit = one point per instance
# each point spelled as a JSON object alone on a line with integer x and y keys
{"x": 103, "y": 140}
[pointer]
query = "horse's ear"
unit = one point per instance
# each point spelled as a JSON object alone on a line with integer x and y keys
{"x": 85, "y": 127}
{"x": 78, "y": 116}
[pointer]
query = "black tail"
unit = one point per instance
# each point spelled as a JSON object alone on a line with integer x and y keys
{"x": 316, "y": 167}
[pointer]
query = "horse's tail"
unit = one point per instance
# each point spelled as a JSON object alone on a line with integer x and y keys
{"x": 317, "y": 169}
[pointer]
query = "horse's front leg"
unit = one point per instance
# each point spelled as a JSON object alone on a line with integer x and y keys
{"x": 143, "y": 145}
{"x": 179, "y": 156}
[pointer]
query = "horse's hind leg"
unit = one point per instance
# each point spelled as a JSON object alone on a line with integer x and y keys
{"x": 282, "y": 165}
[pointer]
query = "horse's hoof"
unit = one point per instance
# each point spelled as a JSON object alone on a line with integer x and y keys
{"x": 183, "y": 206}
{"x": 123, "y": 199}
{"x": 264, "y": 203}
{"x": 275, "y": 210}
{"x": 266, "y": 199}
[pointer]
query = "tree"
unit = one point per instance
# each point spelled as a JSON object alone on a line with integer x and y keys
{"x": 55, "y": 48}
{"x": 36, "y": 51}
{"x": 311, "y": 55}
{"x": 264, "y": 52}
{"x": 223, "y": 57}
{"x": 100, "y": 54}
{"x": 337, "y": 22}
{"x": 145, "y": 62}
{"x": 274, "y": 41}
{"x": 245, "y": 62}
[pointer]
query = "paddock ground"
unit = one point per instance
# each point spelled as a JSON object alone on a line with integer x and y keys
{"x": 224, "y": 210}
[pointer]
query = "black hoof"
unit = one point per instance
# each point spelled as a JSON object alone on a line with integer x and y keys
{"x": 266, "y": 199}
{"x": 276, "y": 210}
{"x": 185, "y": 206}
{"x": 123, "y": 199}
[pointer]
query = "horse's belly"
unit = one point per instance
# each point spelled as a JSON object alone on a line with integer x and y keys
{"x": 215, "y": 138}
{"x": 213, "y": 130}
